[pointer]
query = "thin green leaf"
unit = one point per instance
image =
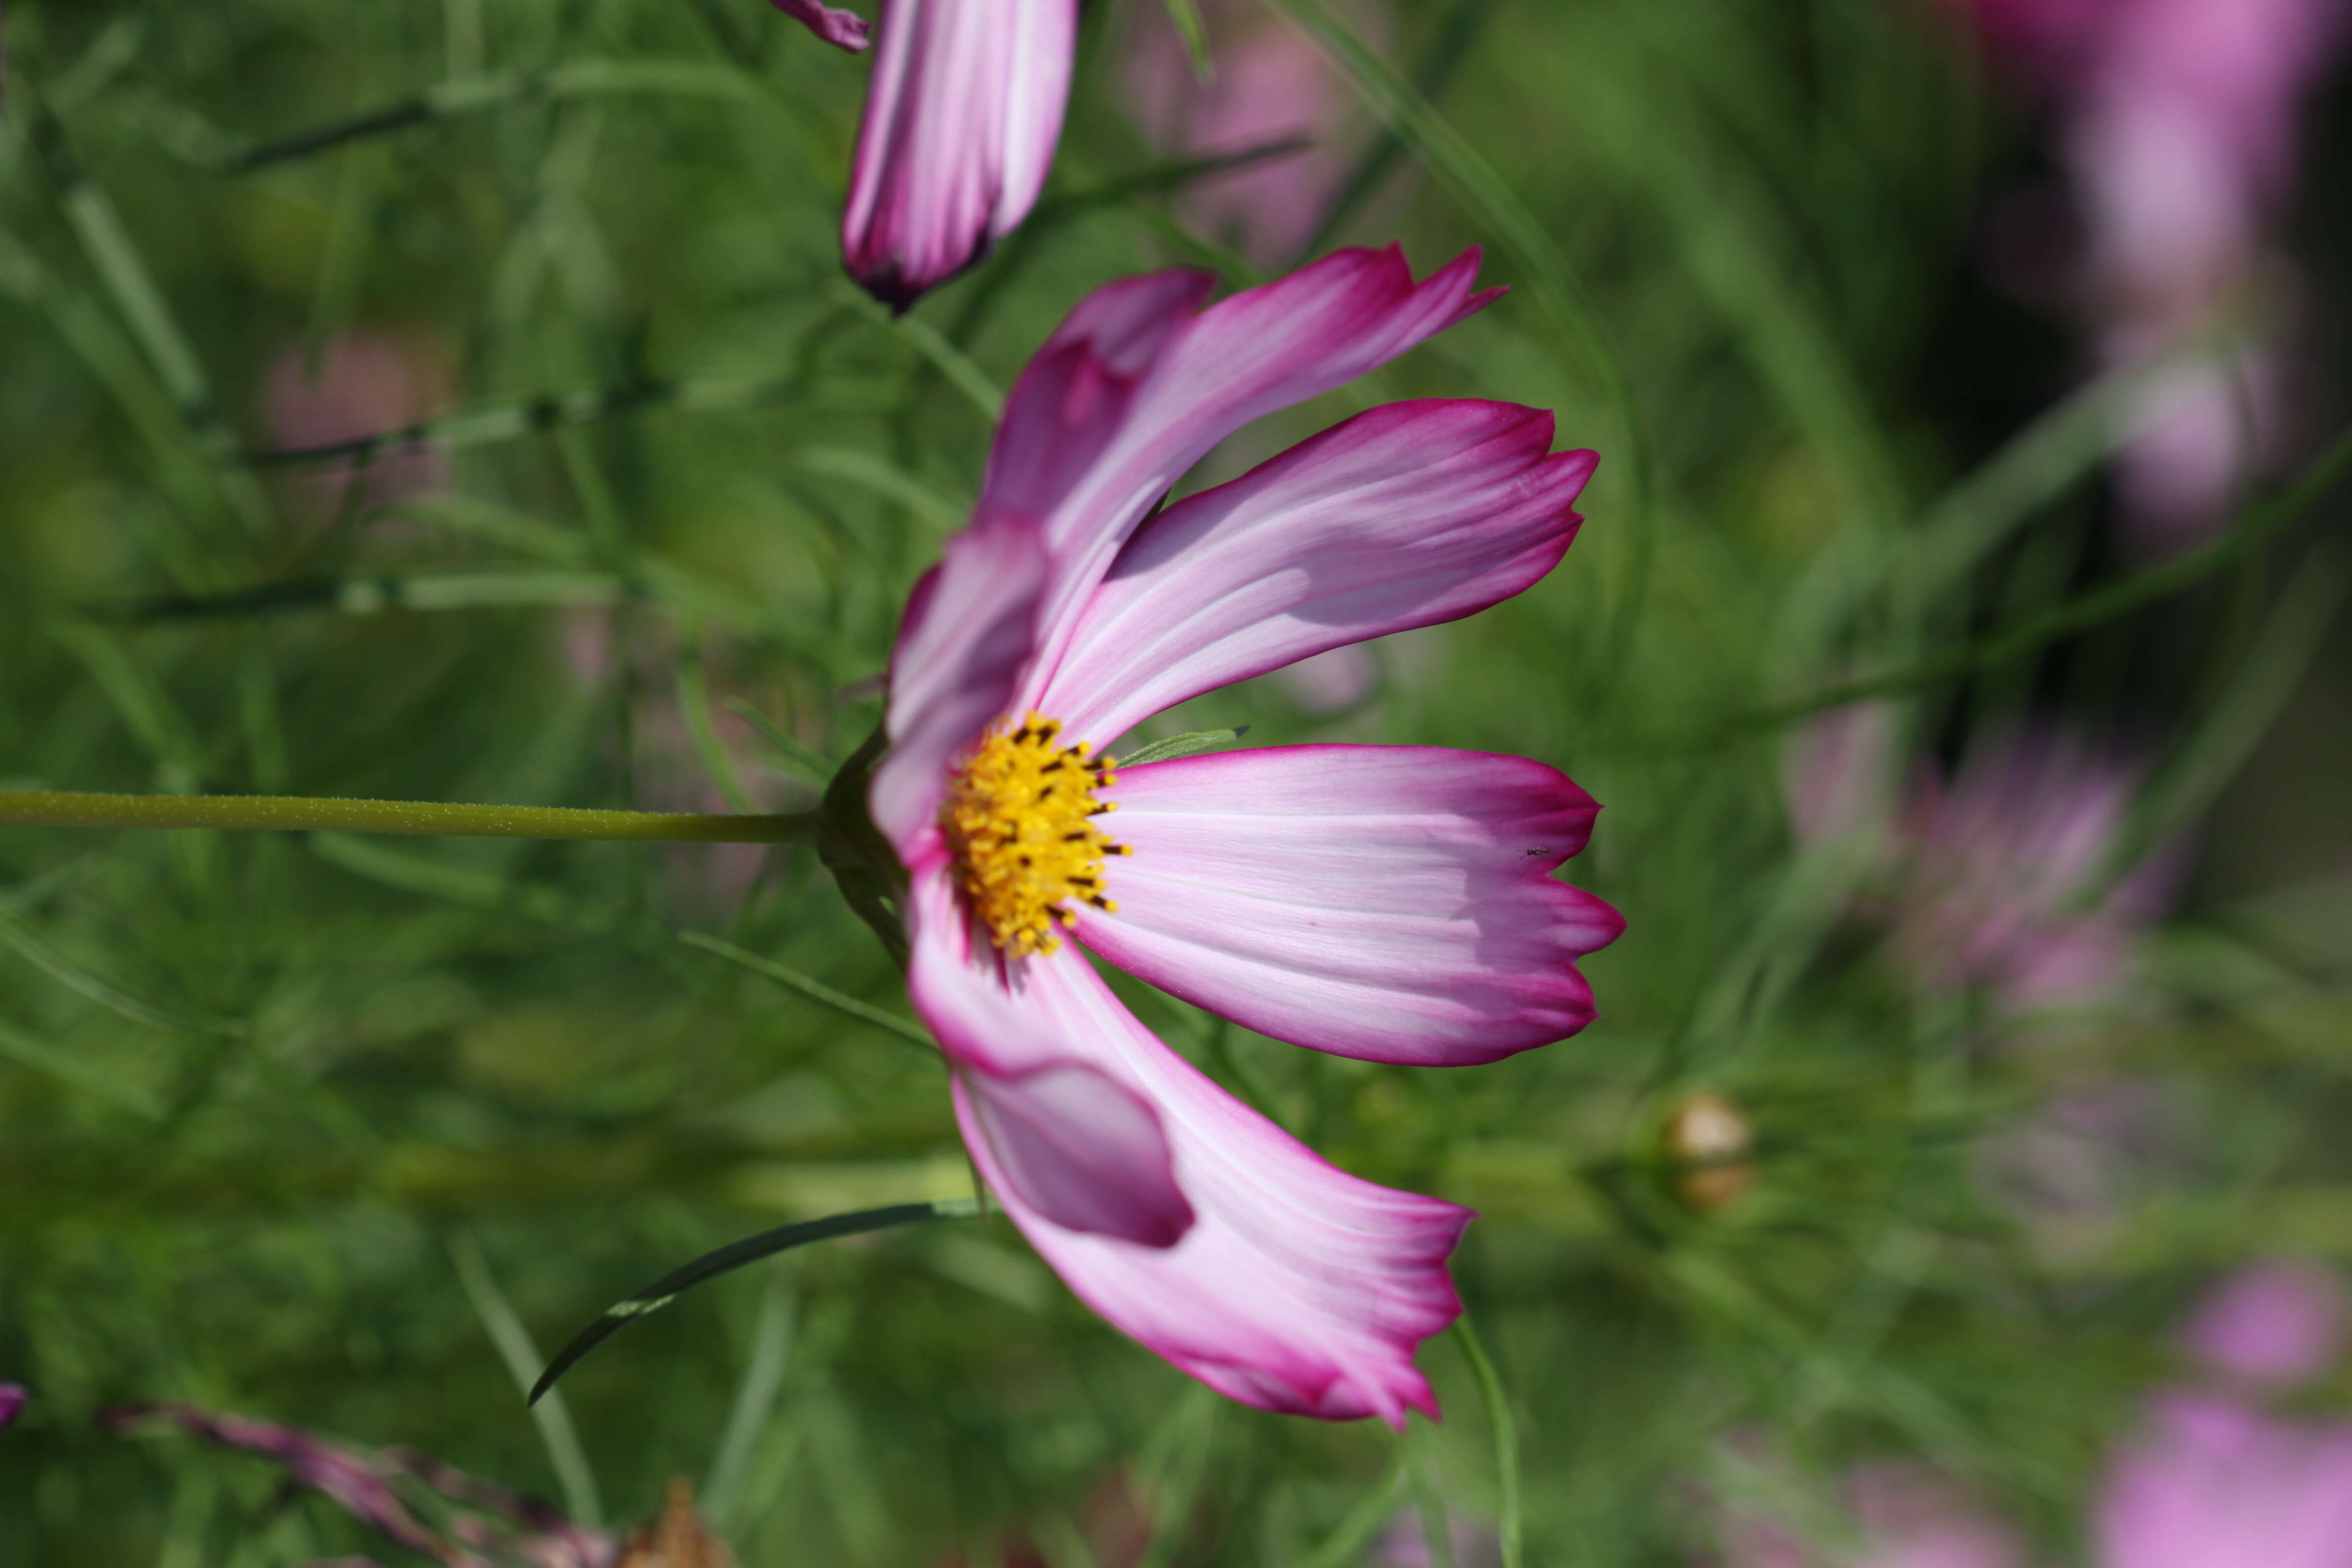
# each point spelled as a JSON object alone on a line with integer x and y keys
{"x": 1346, "y": 1544}
{"x": 726, "y": 1261}
{"x": 1184, "y": 745}
{"x": 817, "y": 990}
{"x": 755, "y": 1401}
{"x": 69, "y": 1069}
{"x": 1186, "y": 14}
{"x": 2261, "y": 524}
{"x": 1506, "y": 1440}
{"x": 106, "y": 994}
{"x": 515, "y": 1348}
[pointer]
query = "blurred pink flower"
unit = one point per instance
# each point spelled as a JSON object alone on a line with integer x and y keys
{"x": 1838, "y": 774}
{"x": 1405, "y": 1543}
{"x": 2209, "y": 1482}
{"x": 366, "y": 384}
{"x": 1392, "y": 903}
{"x": 1270, "y": 84}
{"x": 1902, "y": 1515}
{"x": 497, "y": 1526}
{"x": 2277, "y": 1323}
{"x": 2176, "y": 129}
{"x": 961, "y": 119}
{"x": 2213, "y": 1481}
{"x": 1996, "y": 867}
{"x": 12, "y": 1402}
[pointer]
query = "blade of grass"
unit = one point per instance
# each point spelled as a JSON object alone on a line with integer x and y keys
{"x": 1506, "y": 1440}
{"x": 514, "y": 1346}
{"x": 2261, "y": 524}
{"x": 1346, "y": 1544}
{"x": 34, "y": 951}
{"x": 726, "y": 1261}
{"x": 755, "y": 1401}
{"x": 815, "y": 989}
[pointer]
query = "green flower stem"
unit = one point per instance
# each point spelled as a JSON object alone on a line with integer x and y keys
{"x": 62, "y": 809}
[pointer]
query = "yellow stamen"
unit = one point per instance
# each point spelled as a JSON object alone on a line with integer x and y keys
{"x": 1020, "y": 818}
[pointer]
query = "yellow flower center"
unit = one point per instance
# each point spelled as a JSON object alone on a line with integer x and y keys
{"x": 1020, "y": 818}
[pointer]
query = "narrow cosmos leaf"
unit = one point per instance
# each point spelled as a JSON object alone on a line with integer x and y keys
{"x": 1184, "y": 745}
{"x": 734, "y": 1255}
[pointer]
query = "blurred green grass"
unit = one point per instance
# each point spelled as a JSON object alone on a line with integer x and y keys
{"x": 258, "y": 1096}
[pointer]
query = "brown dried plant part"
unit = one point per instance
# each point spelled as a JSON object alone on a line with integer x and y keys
{"x": 678, "y": 1538}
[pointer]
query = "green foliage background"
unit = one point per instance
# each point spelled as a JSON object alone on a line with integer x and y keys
{"x": 283, "y": 1121}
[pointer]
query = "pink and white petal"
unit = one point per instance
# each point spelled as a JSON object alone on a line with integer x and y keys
{"x": 1076, "y": 1144}
{"x": 1394, "y": 903}
{"x": 842, "y": 29}
{"x": 961, "y": 122}
{"x": 1259, "y": 351}
{"x": 1073, "y": 397}
{"x": 1299, "y": 1288}
{"x": 1404, "y": 516}
{"x": 963, "y": 646}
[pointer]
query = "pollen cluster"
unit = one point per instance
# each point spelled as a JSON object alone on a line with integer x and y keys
{"x": 1020, "y": 819}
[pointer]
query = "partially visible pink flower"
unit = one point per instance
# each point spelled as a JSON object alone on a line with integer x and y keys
{"x": 1391, "y": 903}
{"x": 1270, "y": 84}
{"x": 12, "y": 1402}
{"x": 505, "y": 1527}
{"x": 2278, "y": 1323}
{"x": 842, "y": 29}
{"x": 1902, "y": 1515}
{"x": 961, "y": 124}
{"x": 365, "y": 383}
{"x": 2209, "y": 1482}
{"x": 2176, "y": 128}
{"x": 1405, "y": 1543}
{"x": 1838, "y": 774}
{"x": 1999, "y": 861}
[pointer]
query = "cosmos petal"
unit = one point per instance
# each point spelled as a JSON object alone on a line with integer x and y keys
{"x": 1074, "y": 1143}
{"x": 1408, "y": 515}
{"x": 1394, "y": 903}
{"x": 842, "y": 29}
{"x": 1298, "y": 1288}
{"x": 960, "y": 123}
{"x": 965, "y": 640}
{"x": 1198, "y": 378}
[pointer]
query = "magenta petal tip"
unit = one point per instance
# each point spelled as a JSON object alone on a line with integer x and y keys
{"x": 842, "y": 29}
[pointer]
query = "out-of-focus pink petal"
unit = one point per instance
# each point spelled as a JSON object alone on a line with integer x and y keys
{"x": 1298, "y": 1288}
{"x": 842, "y": 29}
{"x": 1075, "y": 1144}
{"x": 12, "y": 1402}
{"x": 1404, "y": 516}
{"x": 963, "y": 644}
{"x": 1201, "y": 378}
{"x": 2211, "y": 1482}
{"x": 2275, "y": 1322}
{"x": 1388, "y": 902}
{"x": 961, "y": 122}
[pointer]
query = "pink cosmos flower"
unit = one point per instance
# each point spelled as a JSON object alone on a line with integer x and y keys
{"x": 1390, "y": 904}
{"x": 961, "y": 122}
{"x": 2212, "y": 1480}
{"x": 2177, "y": 131}
{"x": 1903, "y": 1516}
{"x": 2274, "y": 1323}
{"x": 1999, "y": 859}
